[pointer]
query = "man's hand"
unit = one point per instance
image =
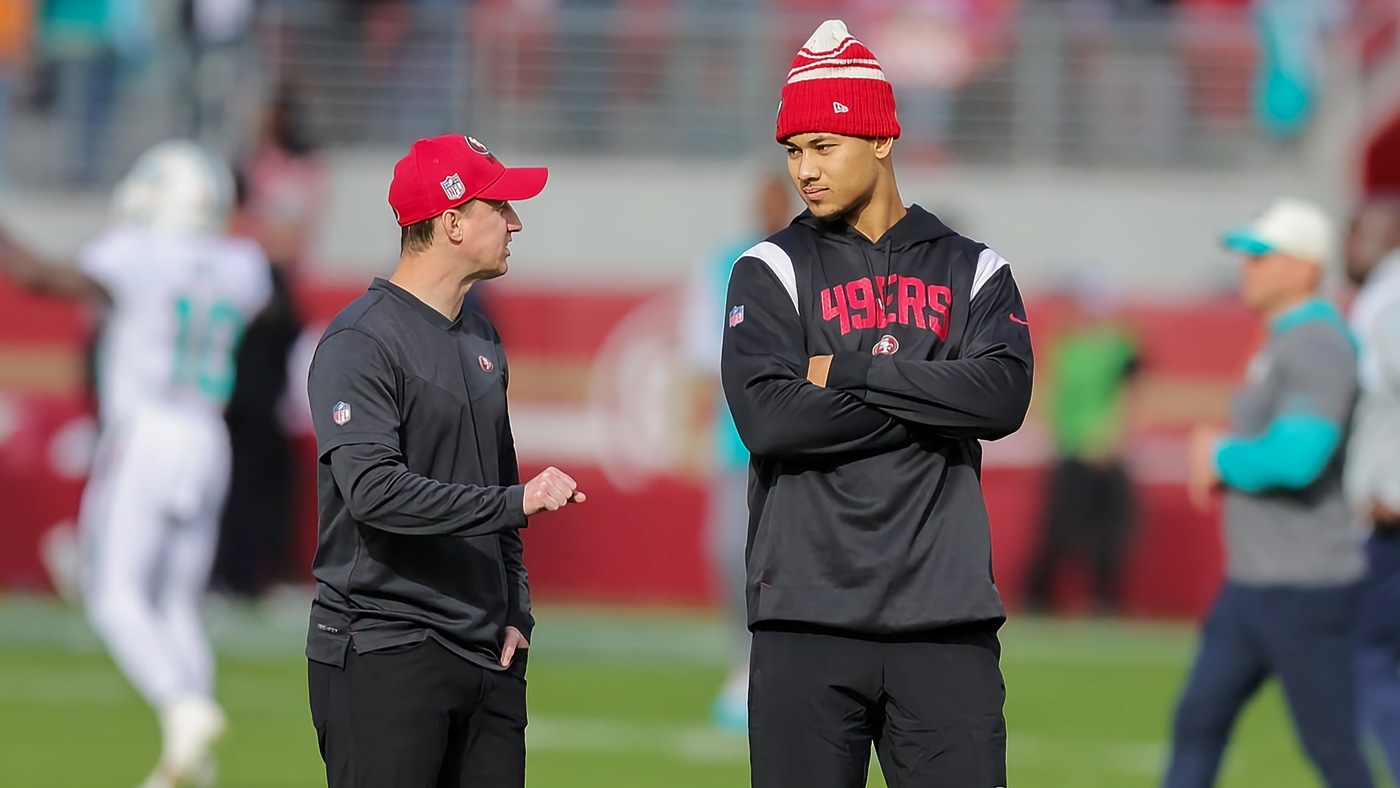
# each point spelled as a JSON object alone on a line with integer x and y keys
{"x": 1385, "y": 519}
{"x": 1202, "y": 477}
{"x": 514, "y": 640}
{"x": 817, "y": 369}
{"x": 551, "y": 491}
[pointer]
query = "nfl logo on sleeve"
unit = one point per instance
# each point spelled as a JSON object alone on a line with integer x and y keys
{"x": 341, "y": 413}
{"x": 736, "y": 315}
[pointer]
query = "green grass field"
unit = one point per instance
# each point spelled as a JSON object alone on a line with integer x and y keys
{"x": 617, "y": 701}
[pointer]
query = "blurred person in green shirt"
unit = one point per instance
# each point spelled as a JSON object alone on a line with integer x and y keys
{"x": 1089, "y": 498}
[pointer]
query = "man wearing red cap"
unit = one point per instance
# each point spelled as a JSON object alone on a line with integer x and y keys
{"x": 868, "y": 348}
{"x": 422, "y": 613}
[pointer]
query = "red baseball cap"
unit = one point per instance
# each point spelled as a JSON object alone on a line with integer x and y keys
{"x": 444, "y": 172}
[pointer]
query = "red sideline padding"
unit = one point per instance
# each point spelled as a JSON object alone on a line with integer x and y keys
{"x": 643, "y": 546}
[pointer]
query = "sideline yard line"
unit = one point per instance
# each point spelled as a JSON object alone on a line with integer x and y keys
{"x": 701, "y": 744}
{"x": 77, "y": 688}
{"x": 681, "y": 637}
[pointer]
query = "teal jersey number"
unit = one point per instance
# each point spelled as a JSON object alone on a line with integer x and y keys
{"x": 208, "y": 335}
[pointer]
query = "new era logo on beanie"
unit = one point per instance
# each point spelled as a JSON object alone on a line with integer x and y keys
{"x": 836, "y": 85}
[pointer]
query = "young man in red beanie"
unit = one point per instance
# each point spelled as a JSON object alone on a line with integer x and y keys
{"x": 868, "y": 348}
{"x": 420, "y": 627}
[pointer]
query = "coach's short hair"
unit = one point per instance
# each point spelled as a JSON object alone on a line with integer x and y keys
{"x": 417, "y": 237}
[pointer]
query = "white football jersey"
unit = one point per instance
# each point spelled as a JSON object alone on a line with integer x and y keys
{"x": 180, "y": 304}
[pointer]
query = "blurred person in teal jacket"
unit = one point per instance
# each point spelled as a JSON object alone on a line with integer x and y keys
{"x": 1289, "y": 605}
{"x": 727, "y": 517}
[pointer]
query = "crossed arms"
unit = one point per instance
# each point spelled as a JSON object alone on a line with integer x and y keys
{"x": 785, "y": 407}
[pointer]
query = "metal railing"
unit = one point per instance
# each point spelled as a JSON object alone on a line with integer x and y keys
{"x": 696, "y": 80}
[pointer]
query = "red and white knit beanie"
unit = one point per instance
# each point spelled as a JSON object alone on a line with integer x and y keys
{"x": 836, "y": 85}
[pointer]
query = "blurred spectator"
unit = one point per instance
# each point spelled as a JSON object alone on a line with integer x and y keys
{"x": 585, "y": 60}
{"x": 433, "y": 70}
{"x": 1291, "y": 56}
{"x": 221, "y": 81}
{"x": 87, "y": 43}
{"x": 930, "y": 48}
{"x": 16, "y": 29}
{"x": 727, "y": 521}
{"x": 283, "y": 186}
{"x": 285, "y": 180}
{"x": 1089, "y": 497}
{"x": 719, "y": 46}
{"x": 1372, "y": 476}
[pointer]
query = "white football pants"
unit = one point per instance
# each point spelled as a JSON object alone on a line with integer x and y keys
{"x": 150, "y": 527}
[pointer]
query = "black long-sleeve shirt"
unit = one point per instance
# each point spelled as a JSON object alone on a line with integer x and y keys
{"x": 866, "y": 508}
{"x": 420, "y": 498}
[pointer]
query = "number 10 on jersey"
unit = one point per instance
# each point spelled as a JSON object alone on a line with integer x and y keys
{"x": 207, "y": 336}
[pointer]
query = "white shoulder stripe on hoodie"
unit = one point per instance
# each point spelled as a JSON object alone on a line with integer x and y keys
{"x": 988, "y": 263}
{"x": 780, "y": 264}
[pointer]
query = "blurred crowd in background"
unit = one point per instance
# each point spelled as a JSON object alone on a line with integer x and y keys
{"x": 86, "y": 83}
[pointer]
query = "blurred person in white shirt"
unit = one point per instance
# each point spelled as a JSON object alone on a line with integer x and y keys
{"x": 1372, "y": 479}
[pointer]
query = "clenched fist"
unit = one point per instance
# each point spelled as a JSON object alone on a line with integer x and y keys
{"x": 551, "y": 491}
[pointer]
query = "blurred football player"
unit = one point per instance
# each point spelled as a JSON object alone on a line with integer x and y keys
{"x": 177, "y": 291}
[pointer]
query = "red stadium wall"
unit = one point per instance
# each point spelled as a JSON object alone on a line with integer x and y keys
{"x": 594, "y": 385}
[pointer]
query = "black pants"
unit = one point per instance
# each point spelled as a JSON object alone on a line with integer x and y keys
{"x": 932, "y": 708}
{"x": 1088, "y": 513}
{"x": 419, "y": 716}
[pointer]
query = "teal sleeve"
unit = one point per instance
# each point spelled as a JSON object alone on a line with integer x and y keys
{"x": 1290, "y": 455}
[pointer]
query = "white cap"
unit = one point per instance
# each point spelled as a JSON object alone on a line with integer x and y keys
{"x": 176, "y": 186}
{"x": 1293, "y": 227}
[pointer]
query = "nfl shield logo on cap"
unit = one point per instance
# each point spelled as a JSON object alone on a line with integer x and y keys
{"x": 341, "y": 413}
{"x": 452, "y": 186}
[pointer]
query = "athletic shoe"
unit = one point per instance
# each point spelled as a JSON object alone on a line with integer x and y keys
{"x": 731, "y": 712}
{"x": 189, "y": 727}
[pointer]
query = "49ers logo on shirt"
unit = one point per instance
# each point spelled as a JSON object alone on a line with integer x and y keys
{"x": 893, "y": 300}
{"x": 887, "y": 346}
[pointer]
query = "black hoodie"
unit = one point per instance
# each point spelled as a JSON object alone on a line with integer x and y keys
{"x": 865, "y": 500}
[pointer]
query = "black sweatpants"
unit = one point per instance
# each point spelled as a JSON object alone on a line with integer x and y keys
{"x": 419, "y": 716}
{"x": 932, "y": 707}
